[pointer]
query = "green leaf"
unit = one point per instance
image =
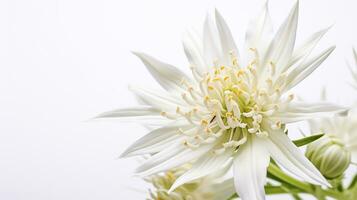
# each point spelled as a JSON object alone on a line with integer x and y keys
{"x": 307, "y": 140}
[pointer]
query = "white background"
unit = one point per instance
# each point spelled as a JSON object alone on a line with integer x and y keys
{"x": 63, "y": 62}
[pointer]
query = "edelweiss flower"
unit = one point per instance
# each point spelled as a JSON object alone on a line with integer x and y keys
{"x": 233, "y": 109}
{"x": 211, "y": 187}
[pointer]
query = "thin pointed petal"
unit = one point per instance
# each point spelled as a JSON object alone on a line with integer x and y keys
{"x": 287, "y": 155}
{"x": 259, "y": 30}
{"x": 305, "y": 69}
{"x": 226, "y": 38}
{"x": 168, "y": 76}
{"x": 193, "y": 49}
{"x": 306, "y": 48}
{"x": 299, "y": 111}
{"x": 211, "y": 43}
{"x": 250, "y": 169}
{"x": 203, "y": 167}
{"x": 282, "y": 46}
{"x": 154, "y": 139}
{"x": 355, "y": 55}
{"x": 160, "y": 100}
{"x": 171, "y": 157}
{"x": 137, "y": 111}
{"x": 224, "y": 190}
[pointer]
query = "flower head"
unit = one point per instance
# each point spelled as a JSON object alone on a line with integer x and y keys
{"x": 233, "y": 108}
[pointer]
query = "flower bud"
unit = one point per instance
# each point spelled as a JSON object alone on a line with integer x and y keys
{"x": 329, "y": 155}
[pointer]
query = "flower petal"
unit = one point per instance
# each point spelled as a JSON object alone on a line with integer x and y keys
{"x": 137, "y": 111}
{"x": 168, "y": 76}
{"x": 155, "y": 140}
{"x": 282, "y": 46}
{"x": 354, "y": 55}
{"x": 227, "y": 42}
{"x": 288, "y": 156}
{"x": 211, "y": 44}
{"x": 160, "y": 100}
{"x": 250, "y": 169}
{"x": 224, "y": 190}
{"x": 352, "y": 70}
{"x": 298, "y": 111}
{"x": 171, "y": 157}
{"x": 203, "y": 167}
{"x": 192, "y": 44}
{"x": 306, "y": 68}
{"x": 259, "y": 31}
{"x": 305, "y": 49}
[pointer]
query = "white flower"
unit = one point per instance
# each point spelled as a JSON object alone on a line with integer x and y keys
{"x": 233, "y": 109}
{"x": 211, "y": 187}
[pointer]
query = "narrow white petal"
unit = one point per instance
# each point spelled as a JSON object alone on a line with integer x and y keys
{"x": 155, "y": 138}
{"x": 158, "y": 99}
{"x": 304, "y": 107}
{"x": 203, "y": 167}
{"x": 298, "y": 111}
{"x": 168, "y": 76}
{"x": 259, "y": 30}
{"x": 224, "y": 190}
{"x": 307, "y": 46}
{"x": 306, "y": 68}
{"x": 250, "y": 169}
{"x": 227, "y": 42}
{"x": 288, "y": 156}
{"x": 211, "y": 44}
{"x": 171, "y": 157}
{"x": 137, "y": 111}
{"x": 192, "y": 44}
{"x": 219, "y": 175}
{"x": 355, "y": 55}
{"x": 282, "y": 46}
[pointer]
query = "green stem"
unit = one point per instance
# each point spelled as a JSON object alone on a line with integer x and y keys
{"x": 271, "y": 190}
{"x": 334, "y": 194}
{"x": 276, "y": 173}
{"x": 319, "y": 194}
{"x": 278, "y": 190}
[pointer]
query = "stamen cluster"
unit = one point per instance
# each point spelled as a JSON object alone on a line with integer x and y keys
{"x": 228, "y": 103}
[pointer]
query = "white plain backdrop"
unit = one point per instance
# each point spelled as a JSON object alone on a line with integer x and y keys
{"x": 63, "y": 62}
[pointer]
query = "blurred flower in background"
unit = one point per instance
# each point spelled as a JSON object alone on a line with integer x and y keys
{"x": 212, "y": 187}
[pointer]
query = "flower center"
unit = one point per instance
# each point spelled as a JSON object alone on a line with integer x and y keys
{"x": 230, "y": 103}
{"x": 232, "y": 98}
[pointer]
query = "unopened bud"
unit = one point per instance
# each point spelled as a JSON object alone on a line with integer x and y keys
{"x": 329, "y": 155}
